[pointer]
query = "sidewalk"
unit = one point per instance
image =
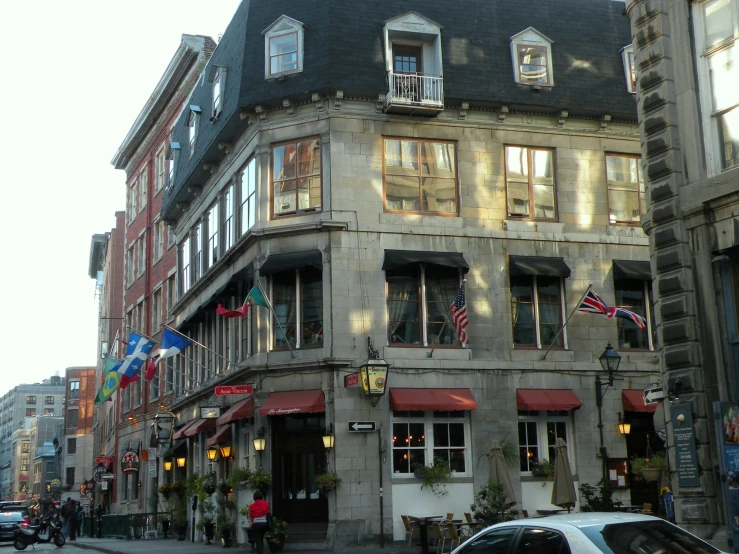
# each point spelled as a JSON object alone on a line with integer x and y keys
{"x": 173, "y": 546}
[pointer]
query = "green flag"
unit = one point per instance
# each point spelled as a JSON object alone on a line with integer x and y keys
{"x": 256, "y": 298}
{"x": 111, "y": 380}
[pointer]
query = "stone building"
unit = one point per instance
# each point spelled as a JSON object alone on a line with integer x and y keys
{"x": 357, "y": 172}
{"x": 77, "y": 436}
{"x": 685, "y": 54}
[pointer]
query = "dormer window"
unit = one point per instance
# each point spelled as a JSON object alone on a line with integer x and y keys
{"x": 283, "y": 45}
{"x": 217, "y": 76}
{"x": 627, "y": 53}
{"x": 172, "y": 153}
{"x": 193, "y": 118}
{"x": 531, "y": 52}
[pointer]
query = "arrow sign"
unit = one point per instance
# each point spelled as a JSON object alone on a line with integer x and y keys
{"x": 362, "y": 426}
{"x": 653, "y": 395}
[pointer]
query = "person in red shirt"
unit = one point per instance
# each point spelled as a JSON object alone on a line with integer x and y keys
{"x": 258, "y": 511}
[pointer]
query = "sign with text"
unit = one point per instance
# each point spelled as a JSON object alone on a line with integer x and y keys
{"x": 362, "y": 426}
{"x": 686, "y": 456}
{"x": 152, "y": 468}
{"x": 653, "y": 395}
{"x": 233, "y": 390}
{"x": 130, "y": 461}
{"x": 726, "y": 416}
{"x": 351, "y": 380}
{"x": 104, "y": 460}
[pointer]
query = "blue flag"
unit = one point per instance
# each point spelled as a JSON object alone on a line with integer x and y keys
{"x": 136, "y": 353}
{"x": 172, "y": 344}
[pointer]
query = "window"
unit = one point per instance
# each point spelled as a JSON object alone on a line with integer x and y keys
{"x": 532, "y": 58}
{"x": 143, "y": 187}
{"x": 70, "y": 476}
{"x": 420, "y": 176}
{"x": 50, "y": 468}
{"x": 158, "y": 240}
{"x": 627, "y": 54}
{"x": 247, "y": 193}
{"x": 229, "y": 222}
{"x": 218, "y": 77}
{"x": 296, "y": 177}
{"x": 130, "y": 268}
{"x": 72, "y": 414}
{"x": 156, "y": 310}
{"x": 159, "y": 169}
{"x": 492, "y": 542}
{"x": 420, "y": 437}
{"x": 536, "y": 311}
{"x": 141, "y": 255}
{"x": 133, "y": 198}
{"x": 172, "y": 154}
{"x": 30, "y": 399}
{"x": 154, "y": 385}
{"x": 137, "y": 393}
{"x": 537, "y": 434}
{"x": 542, "y": 541}
{"x": 283, "y": 43}
{"x": 30, "y": 412}
{"x": 71, "y": 446}
{"x": 297, "y": 300}
{"x": 193, "y": 121}
{"x": 717, "y": 49}
{"x": 25, "y": 447}
{"x": 49, "y": 400}
{"x": 170, "y": 293}
{"x": 185, "y": 266}
{"x": 168, "y": 374}
{"x": 74, "y": 390}
{"x": 626, "y": 195}
{"x": 633, "y": 295}
{"x": 212, "y": 248}
{"x": 418, "y": 300}
{"x": 196, "y": 239}
{"x": 25, "y": 462}
{"x": 140, "y": 315}
{"x": 530, "y": 180}
{"x": 48, "y": 411}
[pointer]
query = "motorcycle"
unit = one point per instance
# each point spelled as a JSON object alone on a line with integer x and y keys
{"x": 47, "y": 530}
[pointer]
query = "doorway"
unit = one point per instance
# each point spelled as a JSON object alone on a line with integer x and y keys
{"x": 642, "y": 433}
{"x": 299, "y": 455}
{"x": 407, "y": 72}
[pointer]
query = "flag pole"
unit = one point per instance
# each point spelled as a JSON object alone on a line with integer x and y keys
{"x": 430, "y": 353}
{"x": 277, "y": 319}
{"x": 544, "y": 356}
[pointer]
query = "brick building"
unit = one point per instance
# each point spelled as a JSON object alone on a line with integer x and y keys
{"x": 77, "y": 443}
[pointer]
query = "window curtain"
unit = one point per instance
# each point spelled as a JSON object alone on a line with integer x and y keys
{"x": 399, "y": 291}
{"x": 440, "y": 293}
{"x": 284, "y": 306}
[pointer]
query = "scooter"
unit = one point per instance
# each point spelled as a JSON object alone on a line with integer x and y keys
{"x": 26, "y": 534}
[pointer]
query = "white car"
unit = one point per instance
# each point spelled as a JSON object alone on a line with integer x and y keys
{"x": 586, "y": 533}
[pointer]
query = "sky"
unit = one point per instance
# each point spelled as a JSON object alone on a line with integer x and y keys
{"x": 77, "y": 73}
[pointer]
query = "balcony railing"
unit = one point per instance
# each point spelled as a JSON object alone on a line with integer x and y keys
{"x": 415, "y": 90}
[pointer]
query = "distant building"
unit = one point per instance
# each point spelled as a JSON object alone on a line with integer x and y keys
{"x": 28, "y": 478}
{"x": 77, "y": 445}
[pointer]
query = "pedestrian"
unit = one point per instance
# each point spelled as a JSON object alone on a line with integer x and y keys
{"x": 80, "y": 518}
{"x": 72, "y": 522}
{"x": 258, "y": 512}
{"x": 65, "y": 516}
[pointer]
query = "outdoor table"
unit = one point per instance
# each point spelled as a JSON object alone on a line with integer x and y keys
{"x": 550, "y": 512}
{"x": 627, "y": 507}
{"x": 423, "y": 528}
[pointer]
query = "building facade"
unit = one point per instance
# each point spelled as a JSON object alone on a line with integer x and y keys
{"x": 687, "y": 107}
{"x": 34, "y": 444}
{"x": 77, "y": 443}
{"x": 494, "y": 152}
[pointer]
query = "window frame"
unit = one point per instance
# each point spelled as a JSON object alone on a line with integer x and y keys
{"x": 531, "y": 184}
{"x": 297, "y": 212}
{"x": 536, "y": 313}
{"x": 531, "y": 38}
{"x": 248, "y": 203}
{"x": 130, "y": 265}
{"x": 30, "y": 412}
{"x": 541, "y": 418}
{"x": 217, "y": 89}
{"x": 30, "y": 399}
{"x": 193, "y": 126}
{"x": 184, "y": 256}
{"x": 283, "y": 26}
{"x": 213, "y": 244}
{"x": 629, "y": 61}
{"x": 420, "y": 211}
{"x": 49, "y": 401}
{"x": 156, "y": 309}
{"x": 71, "y": 449}
{"x": 158, "y": 242}
{"x": 143, "y": 188}
{"x": 649, "y": 329}
{"x": 160, "y": 171}
{"x": 74, "y": 385}
{"x": 141, "y": 255}
{"x": 298, "y": 300}
{"x": 641, "y": 192}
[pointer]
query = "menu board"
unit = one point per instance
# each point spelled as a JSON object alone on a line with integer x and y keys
{"x": 686, "y": 455}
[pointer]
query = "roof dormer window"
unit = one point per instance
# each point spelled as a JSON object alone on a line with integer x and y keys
{"x": 193, "y": 118}
{"x": 627, "y": 54}
{"x": 283, "y": 48}
{"x": 531, "y": 52}
{"x": 217, "y": 76}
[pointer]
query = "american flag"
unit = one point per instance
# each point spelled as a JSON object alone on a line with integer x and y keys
{"x": 592, "y": 303}
{"x": 459, "y": 315}
{"x": 627, "y": 314}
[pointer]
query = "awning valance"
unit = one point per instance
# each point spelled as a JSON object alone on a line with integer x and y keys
{"x": 180, "y": 434}
{"x": 538, "y": 265}
{"x": 293, "y": 402}
{"x": 551, "y": 400}
{"x": 633, "y": 401}
{"x": 201, "y": 426}
{"x": 178, "y": 448}
{"x": 293, "y": 260}
{"x": 222, "y": 436}
{"x": 241, "y": 410}
{"x": 395, "y": 259}
{"x": 629, "y": 269}
{"x": 442, "y": 400}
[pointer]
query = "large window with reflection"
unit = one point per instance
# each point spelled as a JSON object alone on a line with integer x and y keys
{"x": 530, "y": 184}
{"x": 626, "y": 196}
{"x": 297, "y": 300}
{"x": 296, "y": 177}
{"x": 247, "y": 181}
{"x": 536, "y": 311}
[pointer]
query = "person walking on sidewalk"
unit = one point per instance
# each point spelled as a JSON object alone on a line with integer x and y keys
{"x": 72, "y": 522}
{"x": 258, "y": 512}
{"x": 80, "y": 518}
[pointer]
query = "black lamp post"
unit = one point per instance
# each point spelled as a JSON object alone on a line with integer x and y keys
{"x": 609, "y": 361}
{"x": 56, "y": 487}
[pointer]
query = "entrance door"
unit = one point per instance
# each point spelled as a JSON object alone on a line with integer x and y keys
{"x": 299, "y": 456}
{"x": 406, "y": 72}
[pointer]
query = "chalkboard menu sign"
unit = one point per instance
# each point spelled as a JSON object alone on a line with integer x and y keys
{"x": 686, "y": 456}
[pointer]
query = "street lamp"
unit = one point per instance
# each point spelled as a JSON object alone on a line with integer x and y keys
{"x": 609, "y": 361}
{"x": 260, "y": 443}
{"x": 212, "y": 453}
{"x": 373, "y": 375}
{"x": 623, "y": 427}
{"x": 226, "y": 451}
{"x": 167, "y": 465}
{"x": 181, "y": 461}
{"x": 328, "y": 437}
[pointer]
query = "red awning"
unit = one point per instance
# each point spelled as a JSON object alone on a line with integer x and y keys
{"x": 181, "y": 433}
{"x": 222, "y": 436}
{"x": 241, "y": 410}
{"x": 552, "y": 400}
{"x": 444, "y": 400}
{"x": 633, "y": 401}
{"x": 201, "y": 426}
{"x": 293, "y": 402}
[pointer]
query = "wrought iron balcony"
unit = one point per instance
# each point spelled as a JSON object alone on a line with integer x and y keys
{"x": 414, "y": 93}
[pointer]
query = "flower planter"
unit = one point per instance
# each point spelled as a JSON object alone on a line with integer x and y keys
{"x": 650, "y": 474}
{"x": 276, "y": 546}
{"x": 209, "y": 529}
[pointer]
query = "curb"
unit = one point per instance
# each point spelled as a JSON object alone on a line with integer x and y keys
{"x": 87, "y": 546}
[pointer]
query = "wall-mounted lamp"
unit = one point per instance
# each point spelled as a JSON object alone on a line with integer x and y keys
{"x": 328, "y": 437}
{"x": 673, "y": 391}
{"x": 226, "y": 451}
{"x": 623, "y": 427}
{"x": 212, "y": 453}
{"x": 168, "y": 465}
{"x": 260, "y": 443}
{"x": 181, "y": 461}
{"x": 373, "y": 375}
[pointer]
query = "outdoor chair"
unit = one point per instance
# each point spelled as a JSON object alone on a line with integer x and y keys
{"x": 472, "y": 525}
{"x": 410, "y": 528}
{"x": 441, "y": 537}
{"x": 454, "y": 536}
{"x": 646, "y": 509}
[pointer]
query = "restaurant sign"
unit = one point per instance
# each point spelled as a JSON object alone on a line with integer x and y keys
{"x": 130, "y": 461}
{"x": 686, "y": 456}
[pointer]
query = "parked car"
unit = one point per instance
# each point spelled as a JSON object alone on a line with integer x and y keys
{"x": 586, "y": 533}
{"x": 9, "y": 520}
{"x": 13, "y": 506}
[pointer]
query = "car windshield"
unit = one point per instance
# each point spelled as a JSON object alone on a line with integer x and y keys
{"x": 646, "y": 537}
{"x": 11, "y": 516}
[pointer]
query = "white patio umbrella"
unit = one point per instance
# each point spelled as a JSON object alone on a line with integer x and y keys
{"x": 499, "y": 471}
{"x": 563, "y": 490}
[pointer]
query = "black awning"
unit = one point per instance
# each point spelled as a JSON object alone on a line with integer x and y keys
{"x": 628, "y": 269}
{"x": 537, "y": 265}
{"x": 400, "y": 258}
{"x": 178, "y": 448}
{"x": 293, "y": 260}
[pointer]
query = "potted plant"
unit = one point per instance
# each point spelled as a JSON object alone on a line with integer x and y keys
{"x": 543, "y": 468}
{"x": 598, "y": 498}
{"x": 238, "y": 477}
{"x": 165, "y": 490}
{"x": 434, "y": 476}
{"x": 208, "y": 485}
{"x": 328, "y": 481}
{"x": 649, "y": 468}
{"x": 180, "y": 516}
{"x": 276, "y": 534}
{"x": 259, "y": 480}
{"x": 224, "y": 487}
{"x": 491, "y": 505}
{"x": 206, "y": 524}
{"x": 226, "y": 518}
{"x": 178, "y": 488}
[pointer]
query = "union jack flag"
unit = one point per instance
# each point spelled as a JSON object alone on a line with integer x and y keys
{"x": 627, "y": 314}
{"x": 459, "y": 315}
{"x": 592, "y": 303}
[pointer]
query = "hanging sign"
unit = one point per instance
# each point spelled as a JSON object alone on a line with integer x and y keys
{"x": 351, "y": 380}
{"x": 686, "y": 456}
{"x": 233, "y": 390}
{"x": 152, "y": 468}
{"x": 130, "y": 461}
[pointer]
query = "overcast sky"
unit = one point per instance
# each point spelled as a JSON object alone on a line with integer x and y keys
{"x": 76, "y": 75}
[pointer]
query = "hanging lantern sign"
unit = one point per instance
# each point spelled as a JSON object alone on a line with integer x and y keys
{"x": 130, "y": 461}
